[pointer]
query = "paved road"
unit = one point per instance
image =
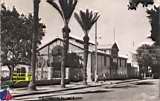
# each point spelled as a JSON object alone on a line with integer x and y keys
{"x": 128, "y": 92}
{"x": 146, "y": 90}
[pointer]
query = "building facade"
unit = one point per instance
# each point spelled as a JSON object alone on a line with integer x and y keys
{"x": 110, "y": 64}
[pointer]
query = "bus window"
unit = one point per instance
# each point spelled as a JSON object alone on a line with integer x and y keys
{"x": 18, "y": 70}
{"x": 23, "y": 70}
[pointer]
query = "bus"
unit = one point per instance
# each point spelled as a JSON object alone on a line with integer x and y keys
{"x": 22, "y": 73}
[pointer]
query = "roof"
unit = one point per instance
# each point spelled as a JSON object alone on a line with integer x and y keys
{"x": 100, "y": 50}
{"x": 123, "y": 56}
{"x": 105, "y": 47}
{"x": 115, "y": 46}
{"x": 59, "y": 39}
{"x": 56, "y": 39}
{"x": 79, "y": 41}
{"x": 108, "y": 47}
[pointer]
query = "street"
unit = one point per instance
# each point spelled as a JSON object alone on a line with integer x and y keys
{"x": 145, "y": 90}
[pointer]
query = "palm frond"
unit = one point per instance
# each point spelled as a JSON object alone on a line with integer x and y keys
{"x": 67, "y": 7}
{"x": 63, "y": 6}
{"x": 79, "y": 20}
{"x": 86, "y": 19}
{"x": 95, "y": 18}
{"x": 55, "y": 5}
{"x": 73, "y": 4}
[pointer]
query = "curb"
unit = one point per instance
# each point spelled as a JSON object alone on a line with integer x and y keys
{"x": 43, "y": 92}
{"x": 127, "y": 81}
{"x": 34, "y": 93}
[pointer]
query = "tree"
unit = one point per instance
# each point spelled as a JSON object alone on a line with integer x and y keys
{"x": 17, "y": 30}
{"x": 86, "y": 20}
{"x": 154, "y": 17}
{"x": 155, "y": 54}
{"x": 134, "y": 3}
{"x": 148, "y": 55}
{"x": 74, "y": 63}
{"x": 65, "y": 9}
{"x": 144, "y": 58}
{"x": 73, "y": 60}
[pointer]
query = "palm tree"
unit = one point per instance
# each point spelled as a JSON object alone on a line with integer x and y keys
{"x": 154, "y": 19}
{"x": 65, "y": 9}
{"x": 32, "y": 85}
{"x": 86, "y": 20}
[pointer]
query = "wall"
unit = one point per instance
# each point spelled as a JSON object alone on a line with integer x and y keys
{"x": 122, "y": 68}
{"x": 103, "y": 70}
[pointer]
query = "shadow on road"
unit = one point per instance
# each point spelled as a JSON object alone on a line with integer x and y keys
{"x": 121, "y": 86}
{"x": 87, "y": 92}
{"x": 145, "y": 83}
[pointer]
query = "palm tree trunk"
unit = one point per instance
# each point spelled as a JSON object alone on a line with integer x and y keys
{"x": 32, "y": 85}
{"x": 86, "y": 45}
{"x": 66, "y": 32}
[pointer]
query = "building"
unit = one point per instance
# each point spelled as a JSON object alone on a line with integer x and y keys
{"x": 50, "y": 54}
{"x": 110, "y": 64}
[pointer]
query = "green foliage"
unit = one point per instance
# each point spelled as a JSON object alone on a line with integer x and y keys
{"x": 64, "y": 7}
{"x": 86, "y": 19}
{"x": 134, "y": 3}
{"x": 154, "y": 17}
{"x": 143, "y": 55}
{"x": 7, "y": 84}
{"x": 73, "y": 60}
{"x": 148, "y": 55}
{"x": 16, "y": 37}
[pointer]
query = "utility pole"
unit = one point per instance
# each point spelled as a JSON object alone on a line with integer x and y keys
{"x": 96, "y": 56}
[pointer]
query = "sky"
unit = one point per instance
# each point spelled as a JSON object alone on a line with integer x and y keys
{"x": 131, "y": 28}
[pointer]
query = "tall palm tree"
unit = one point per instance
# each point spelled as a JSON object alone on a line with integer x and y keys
{"x": 65, "y": 9}
{"x": 32, "y": 85}
{"x": 86, "y": 20}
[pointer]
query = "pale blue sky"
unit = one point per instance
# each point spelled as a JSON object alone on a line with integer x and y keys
{"x": 129, "y": 25}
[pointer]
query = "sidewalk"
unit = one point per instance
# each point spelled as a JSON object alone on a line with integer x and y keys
{"x": 18, "y": 92}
